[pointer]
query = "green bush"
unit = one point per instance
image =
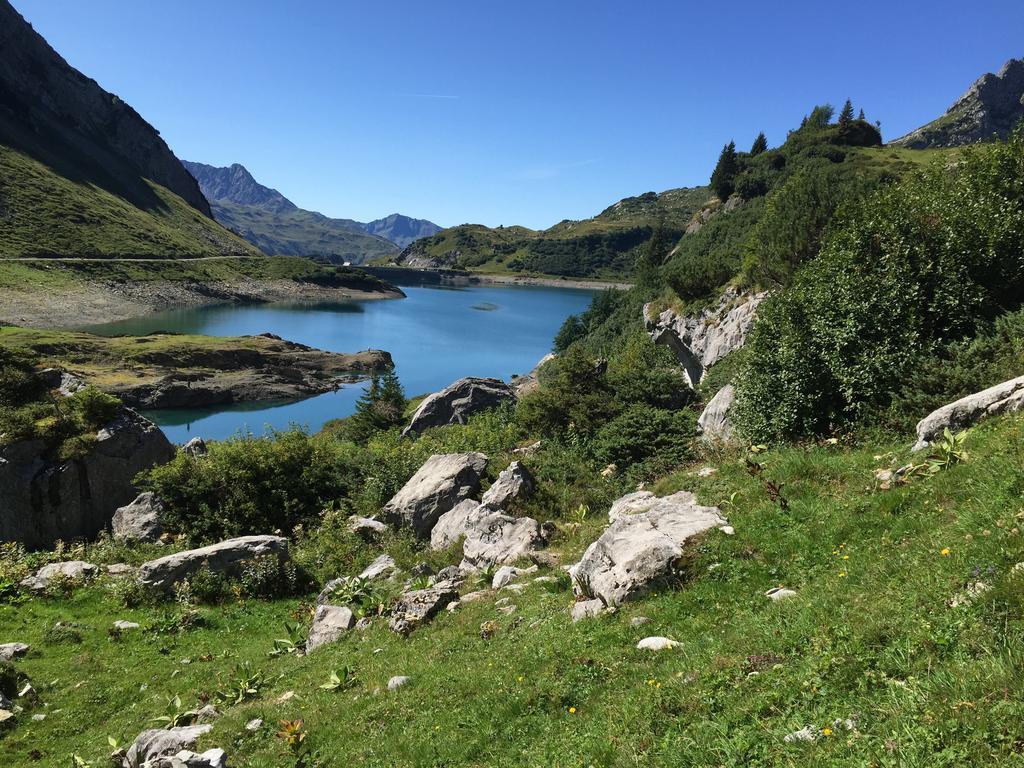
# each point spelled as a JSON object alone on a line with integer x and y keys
{"x": 914, "y": 267}
{"x": 655, "y": 437}
{"x": 254, "y": 485}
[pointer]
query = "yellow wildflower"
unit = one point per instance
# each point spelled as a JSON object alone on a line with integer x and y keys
{"x": 572, "y": 710}
{"x": 945, "y": 552}
{"x": 827, "y": 731}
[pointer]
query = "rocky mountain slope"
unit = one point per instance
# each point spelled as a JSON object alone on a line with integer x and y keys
{"x": 605, "y": 245}
{"x": 82, "y": 172}
{"x": 992, "y": 106}
{"x": 268, "y": 219}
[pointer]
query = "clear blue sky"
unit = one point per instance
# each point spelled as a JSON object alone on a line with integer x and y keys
{"x": 515, "y": 112}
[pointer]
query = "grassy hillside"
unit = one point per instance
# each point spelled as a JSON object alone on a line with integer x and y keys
{"x": 47, "y": 213}
{"x": 880, "y": 633}
{"x": 298, "y": 232}
{"x": 606, "y": 245}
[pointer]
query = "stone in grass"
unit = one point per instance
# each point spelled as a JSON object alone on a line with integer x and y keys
{"x": 813, "y": 733}
{"x": 656, "y": 644}
{"x": 779, "y": 593}
{"x": 509, "y": 573}
{"x": 74, "y": 571}
{"x": 586, "y": 609}
{"x": 11, "y": 651}
{"x": 124, "y": 626}
{"x": 330, "y": 622}
{"x": 254, "y": 725}
{"x": 639, "y": 621}
{"x": 398, "y": 681}
{"x": 162, "y": 742}
{"x": 419, "y": 606}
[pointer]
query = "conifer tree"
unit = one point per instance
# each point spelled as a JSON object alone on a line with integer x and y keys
{"x": 846, "y": 116}
{"x": 723, "y": 180}
{"x": 380, "y": 407}
{"x": 861, "y": 115}
{"x": 760, "y": 144}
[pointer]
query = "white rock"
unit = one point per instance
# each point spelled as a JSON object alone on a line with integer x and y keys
{"x": 513, "y": 484}
{"x": 714, "y": 424}
{"x": 442, "y": 482}
{"x": 1002, "y": 398}
{"x": 639, "y": 621}
{"x": 224, "y": 557}
{"x": 807, "y": 733}
{"x": 779, "y": 593}
{"x": 398, "y": 681}
{"x": 509, "y": 573}
{"x": 586, "y": 609}
{"x": 74, "y": 571}
{"x": 330, "y": 623}
{"x": 254, "y": 725}
{"x": 9, "y": 651}
{"x": 125, "y": 626}
{"x": 656, "y": 644}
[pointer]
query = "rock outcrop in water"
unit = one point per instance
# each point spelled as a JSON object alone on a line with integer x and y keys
{"x": 43, "y": 500}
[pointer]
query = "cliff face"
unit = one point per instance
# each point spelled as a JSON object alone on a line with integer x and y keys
{"x": 64, "y": 119}
{"x": 992, "y": 106}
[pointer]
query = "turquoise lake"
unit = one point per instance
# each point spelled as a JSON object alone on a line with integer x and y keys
{"x": 436, "y": 335}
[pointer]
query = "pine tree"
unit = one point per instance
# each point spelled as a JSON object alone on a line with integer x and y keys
{"x": 653, "y": 255}
{"x": 723, "y": 180}
{"x": 861, "y": 115}
{"x": 380, "y": 407}
{"x": 760, "y": 144}
{"x": 846, "y": 116}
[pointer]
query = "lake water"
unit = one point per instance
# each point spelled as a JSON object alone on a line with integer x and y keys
{"x": 436, "y": 335}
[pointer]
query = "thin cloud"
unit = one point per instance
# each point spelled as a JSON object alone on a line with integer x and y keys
{"x": 544, "y": 172}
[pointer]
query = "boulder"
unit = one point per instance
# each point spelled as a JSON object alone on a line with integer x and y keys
{"x": 418, "y": 607}
{"x": 701, "y": 340}
{"x": 398, "y": 681}
{"x": 330, "y": 622}
{"x": 499, "y": 539}
{"x": 224, "y": 557}
{"x": 714, "y": 424}
{"x": 962, "y": 413}
{"x": 505, "y": 575}
{"x": 11, "y": 651}
{"x": 513, "y": 484}
{"x": 196, "y": 447}
{"x": 641, "y": 546}
{"x": 457, "y": 402}
{"x": 366, "y": 527}
{"x": 211, "y": 758}
{"x": 46, "y": 500}
{"x": 441, "y": 483}
{"x": 75, "y": 571}
{"x": 139, "y": 521}
{"x": 162, "y": 742}
{"x": 586, "y": 609}
{"x": 451, "y": 527}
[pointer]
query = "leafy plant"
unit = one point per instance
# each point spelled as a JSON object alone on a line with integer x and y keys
{"x": 245, "y": 685}
{"x": 339, "y": 681}
{"x": 292, "y": 643}
{"x": 175, "y": 714}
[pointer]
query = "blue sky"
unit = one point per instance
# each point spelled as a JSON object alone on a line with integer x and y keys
{"x": 515, "y": 112}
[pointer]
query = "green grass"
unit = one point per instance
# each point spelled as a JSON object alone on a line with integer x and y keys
{"x": 870, "y": 636}
{"x": 46, "y": 214}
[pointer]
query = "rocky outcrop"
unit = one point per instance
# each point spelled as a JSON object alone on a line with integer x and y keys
{"x": 494, "y": 538}
{"x": 381, "y": 568}
{"x": 641, "y": 546}
{"x": 513, "y": 484}
{"x": 701, "y": 340}
{"x": 530, "y": 382}
{"x": 48, "y": 103}
{"x": 453, "y": 524}
{"x": 139, "y": 521}
{"x": 227, "y": 557}
{"x": 45, "y": 500}
{"x": 1002, "y": 398}
{"x": 418, "y": 607}
{"x": 714, "y": 424}
{"x": 991, "y": 108}
{"x": 441, "y": 483}
{"x": 457, "y": 402}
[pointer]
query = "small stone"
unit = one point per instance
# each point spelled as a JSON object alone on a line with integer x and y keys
{"x": 5, "y": 715}
{"x": 398, "y": 681}
{"x": 9, "y": 651}
{"x": 706, "y": 472}
{"x": 656, "y": 644}
{"x": 254, "y": 725}
{"x": 366, "y": 527}
{"x": 472, "y": 597}
{"x": 207, "y": 713}
{"x": 38, "y": 718}
{"x": 124, "y": 626}
{"x": 509, "y": 609}
{"x": 517, "y": 588}
{"x": 639, "y": 621}
{"x": 807, "y": 733}
{"x": 780, "y": 593}
{"x": 286, "y": 696}
{"x": 364, "y": 623}
{"x": 196, "y": 447}
{"x": 452, "y": 607}
{"x": 545, "y": 580}
{"x": 330, "y": 622}
{"x": 509, "y": 573}
{"x": 586, "y": 609}
{"x": 728, "y": 530}
{"x": 120, "y": 569}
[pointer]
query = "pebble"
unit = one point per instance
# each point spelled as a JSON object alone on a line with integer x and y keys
{"x": 656, "y": 644}
{"x": 398, "y": 681}
{"x": 780, "y": 593}
{"x": 123, "y": 626}
{"x": 254, "y": 725}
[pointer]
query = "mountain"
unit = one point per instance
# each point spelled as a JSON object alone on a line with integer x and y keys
{"x": 82, "y": 173}
{"x": 605, "y": 245}
{"x": 280, "y": 228}
{"x": 992, "y": 106}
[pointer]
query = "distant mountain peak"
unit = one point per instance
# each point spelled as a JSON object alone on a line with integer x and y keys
{"x": 992, "y": 106}
{"x": 234, "y": 184}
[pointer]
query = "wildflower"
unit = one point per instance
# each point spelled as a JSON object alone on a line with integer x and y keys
{"x": 572, "y": 710}
{"x": 826, "y": 731}
{"x": 842, "y": 574}
{"x": 519, "y": 679}
{"x": 945, "y": 552}
{"x": 846, "y": 557}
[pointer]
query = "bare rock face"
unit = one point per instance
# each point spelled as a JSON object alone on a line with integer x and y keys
{"x": 73, "y": 571}
{"x": 641, "y": 546}
{"x": 162, "y": 742}
{"x": 714, "y": 424}
{"x": 457, "y": 402}
{"x": 514, "y": 483}
{"x": 330, "y": 623}
{"x": 418, "y": 607}
{"x": 140, "y": 520}
{"x": 1002, "y": 398}
{"x": 454, "y": 524}
{"x": 441, "y": 483}
{"x": 224, "y": 557}
{"x": 699, "y": 341}
{"x": 991, "y": 107}
{"x": 46, "y": 500}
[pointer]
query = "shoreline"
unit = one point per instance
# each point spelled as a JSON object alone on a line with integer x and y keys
{"x": 456, "y": 277}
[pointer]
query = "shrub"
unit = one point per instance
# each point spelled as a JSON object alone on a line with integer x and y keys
{"x": 577, "y": 394}
{"x": 269, "y": 577}
{"x": 250, "y": 485}
{"x": 655, "y": 436}
{"x": 917, "y": 265}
